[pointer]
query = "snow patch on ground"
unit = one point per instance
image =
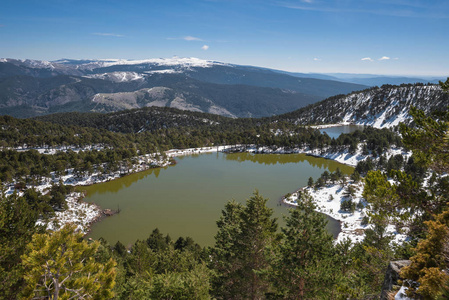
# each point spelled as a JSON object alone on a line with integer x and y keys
{"x": 80, "y": 213}
{"x": 190, "y": 151}
{"x": 347, "y": 158}
{"x": 167, "y": 71}
{"x": 330, "y": 125}
{"x": 328, "y": 200}
{"x": 401, "y": 295}
{"x": 118, "y": 76}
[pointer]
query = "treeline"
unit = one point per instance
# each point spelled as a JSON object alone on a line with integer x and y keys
{"x": 97, "y": 146}
{"x": 32, "y": 167}
{"x": 135, "y": 120}
{"x": 165, "y": 128}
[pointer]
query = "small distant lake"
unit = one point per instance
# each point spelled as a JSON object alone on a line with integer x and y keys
{"x": 334, "y": 132}
{"x": 187, "y": 199}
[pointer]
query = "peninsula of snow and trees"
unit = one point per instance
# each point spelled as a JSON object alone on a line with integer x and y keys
{"x": 87, "y": 122}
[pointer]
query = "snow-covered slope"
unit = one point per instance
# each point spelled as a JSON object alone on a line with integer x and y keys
{"x": 92, "y": 64}
{"x": 382, "y": 107}
{"x": 156, "y": 96}
{"x": 118, "y": 76}
{"x": 184, "y": 62}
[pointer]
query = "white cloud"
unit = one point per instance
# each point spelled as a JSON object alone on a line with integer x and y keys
{"x": 108, "y": 34}
{"x": 188, "y": 38}
{"x": 386, "y": 10}
{"x": 205, "y": 47}
{"x": 367, "y": 59}
{"x": 384, "y": 58}
{"x": 317, "y": 59}
{"x": 191, "y": 38}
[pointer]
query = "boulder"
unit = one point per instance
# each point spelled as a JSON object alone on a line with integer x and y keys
{"x": 392, "y": 277}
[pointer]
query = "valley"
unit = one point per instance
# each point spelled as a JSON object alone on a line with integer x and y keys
{"x": 225, "y": 150}
{"x": 156, "y": 158}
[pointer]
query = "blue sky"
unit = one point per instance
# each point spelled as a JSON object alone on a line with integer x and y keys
{"x": 401, "y": 37}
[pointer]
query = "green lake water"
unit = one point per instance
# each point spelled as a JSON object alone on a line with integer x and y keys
{"x": 187, "y": 199}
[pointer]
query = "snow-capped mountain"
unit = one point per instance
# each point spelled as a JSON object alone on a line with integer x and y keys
{"x": 382, "y": 107}
{"x": 66, "y": 66}
{"x": 31, "y": 87}
{"x": 118, "y": 76}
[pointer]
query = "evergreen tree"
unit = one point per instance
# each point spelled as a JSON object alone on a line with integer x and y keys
{"x": 225, "y": 260}
{"x": 427, "y": 270}
{"x": 62, "y": 265}
{"x": 307, "y": 267}
{"x": 17, "y": 225}
{"x": 310, "y": 182}
{"x": 242, "y": 251}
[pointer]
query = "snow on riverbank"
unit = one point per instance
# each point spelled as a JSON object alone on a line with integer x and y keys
{"x": 328, "y": 201}
{"x": 351, "y": 159}
{"x": 331, "y": 125}
{"x": 343, "y": 156}
{"x": 190, "y": 151}
{"x": 80, "y": 213}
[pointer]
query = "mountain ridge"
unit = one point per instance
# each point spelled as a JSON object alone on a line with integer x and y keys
{"x": 30, "y": 87}
{"x": 380, "y": 107}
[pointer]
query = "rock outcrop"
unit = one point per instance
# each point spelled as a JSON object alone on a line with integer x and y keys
{"x": 391, "y": 277}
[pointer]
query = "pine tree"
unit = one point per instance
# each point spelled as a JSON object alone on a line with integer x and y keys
{"x": 225, "y": 260}
{"x": 307, "y": 267}
{"x": 241, "y": 255}
{"x": 428, "y": 265}
{"x": 310, "y": 182}
{"x": 17, "y": 225}
{"x": 255, "y": 242}
{"x": 62, "y": 265}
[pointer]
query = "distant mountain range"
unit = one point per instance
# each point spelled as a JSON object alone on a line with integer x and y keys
{"x": 31, "y": 87}
{"x": 370, "y": 79}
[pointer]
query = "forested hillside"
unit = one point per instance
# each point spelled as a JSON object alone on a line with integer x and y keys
{"x": 380, "y": 107}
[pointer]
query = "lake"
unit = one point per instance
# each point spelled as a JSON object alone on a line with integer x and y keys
{"x": 187, "y": 199}
{"x": 334, "y": 132}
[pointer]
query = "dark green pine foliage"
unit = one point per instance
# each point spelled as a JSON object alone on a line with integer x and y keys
{"x": 307, "y": 267}
{"x": 243, "y": 250}
{"x": 226, "y": 261}
{"x": 17, "y": 225}
{"x": 445, "y": 85}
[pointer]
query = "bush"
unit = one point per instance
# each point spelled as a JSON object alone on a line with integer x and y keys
{"x": 365, "y": 221}
{"x": 347, "y": 205}
{"x": 360, "y": 205}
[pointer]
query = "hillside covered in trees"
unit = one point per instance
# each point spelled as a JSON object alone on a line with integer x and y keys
{"x": 384, "y": 106}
